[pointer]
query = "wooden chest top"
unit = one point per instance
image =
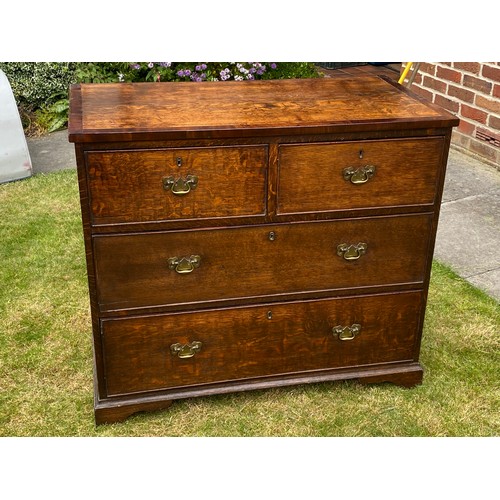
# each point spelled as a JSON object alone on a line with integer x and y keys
{"x": 182, "y": 110}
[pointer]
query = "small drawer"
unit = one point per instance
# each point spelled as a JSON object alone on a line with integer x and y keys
{"x": 152, "y": 353}
{"x": 197, "y": 266}
{"x": 355, "y": 175}
{"x": 182, "y": 184}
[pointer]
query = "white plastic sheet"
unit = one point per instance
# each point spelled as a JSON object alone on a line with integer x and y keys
{"x": 15, "y": 161}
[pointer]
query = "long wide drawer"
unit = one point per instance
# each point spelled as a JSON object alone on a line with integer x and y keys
{"x": 354, "y": 175}
{"x": 193, "y": 266}
{"x": 160, "y": 352}
{"x": 155, "y": 185}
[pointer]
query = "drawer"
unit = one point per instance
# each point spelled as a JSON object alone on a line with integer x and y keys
{"x": 161, "y": 352}
{"x": 154, "y": 185}
{"x": 196, "y": 266}
{"x": 356, "y": 175}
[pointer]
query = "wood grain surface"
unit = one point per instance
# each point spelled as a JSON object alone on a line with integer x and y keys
{"x": 121, "y": 109}
{"x": 132, "y": 269}
{"x": 311, "y": 175}
{"x": 127, "y": 186}
{"x": 257, "y": 341}
{"x": 259, "y": 234}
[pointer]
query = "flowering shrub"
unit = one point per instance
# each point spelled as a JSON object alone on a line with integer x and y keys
{"x": 199, "y": 72}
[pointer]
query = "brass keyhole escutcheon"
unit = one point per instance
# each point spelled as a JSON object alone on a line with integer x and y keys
{"x": 272, "y": 236}
{"x": 184, "y": 265}
{"x": 185, "y": 350}
{"x": 351, "y": 252}
{"x": 346, "y": 332}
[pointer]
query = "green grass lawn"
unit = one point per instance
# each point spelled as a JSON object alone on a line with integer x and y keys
{"x": 46, "y": 365}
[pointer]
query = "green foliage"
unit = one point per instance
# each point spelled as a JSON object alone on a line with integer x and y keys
{"x": 34, "y": 85}
{"x": 54, "y": 116}
{"x": 293, "y": 70}
{"x": 95, "y": 72}
{"x": 41, "y": 92}
{"x": 191, "y": 71}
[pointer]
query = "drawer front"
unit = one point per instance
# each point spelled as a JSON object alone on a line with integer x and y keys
{"x": 355, "y": 175}
{"x": 182, "y": 184}
{"x": 176, "y": 267}
{"x": 160, "y": 352}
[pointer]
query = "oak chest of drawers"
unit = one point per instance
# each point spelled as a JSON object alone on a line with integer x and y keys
{"x": 245, "y": 235}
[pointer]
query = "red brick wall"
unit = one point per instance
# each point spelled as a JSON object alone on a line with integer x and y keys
{"x": 471, "y": 91}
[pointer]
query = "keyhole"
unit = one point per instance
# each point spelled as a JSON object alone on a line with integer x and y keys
{"x": 272, "y": 236}
{"x": 179, "y": 161}
{"x": 361, "y": 154}
{"x": 269, "y": 315}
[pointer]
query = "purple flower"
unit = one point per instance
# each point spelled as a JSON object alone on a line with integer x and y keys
{"x": 135, "y": 66}
{"x": 225, "y": 74}
{"x": 273, "y": 66}
{"x": 150, "y": 65}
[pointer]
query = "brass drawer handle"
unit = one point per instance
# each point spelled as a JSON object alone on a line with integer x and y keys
{"x": 359, "y": 175}
{"x": 351, "y": 252}
{"x": 185, "y": 350}
{"x": 346, "y": 332}
{"x": 184, "y": 265}
{"x": 180, "y": 186}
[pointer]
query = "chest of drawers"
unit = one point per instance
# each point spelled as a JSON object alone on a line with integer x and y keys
{"x": 246, "y": 235}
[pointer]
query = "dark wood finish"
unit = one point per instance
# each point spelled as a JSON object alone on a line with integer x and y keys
{"x": 258, "y": 341}
{"x": 270, "y": 208}
{"x": 132, "y": 269}
{"x": 111, "y": 413}
{"x": 311, "y": 180}
{"x": 127, "y": 186}
{"x": 106, "y": 112}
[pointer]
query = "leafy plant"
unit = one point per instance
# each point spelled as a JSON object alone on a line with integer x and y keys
{"x": 191, "y": 71}
{"x": 34, "y": 84}
{"x": 95, "y": 72}
{"x": 218, "y": 71}
{"x": 54, "y": 115}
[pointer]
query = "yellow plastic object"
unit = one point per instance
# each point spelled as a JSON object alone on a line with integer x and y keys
{"x": 404, "y": 73}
